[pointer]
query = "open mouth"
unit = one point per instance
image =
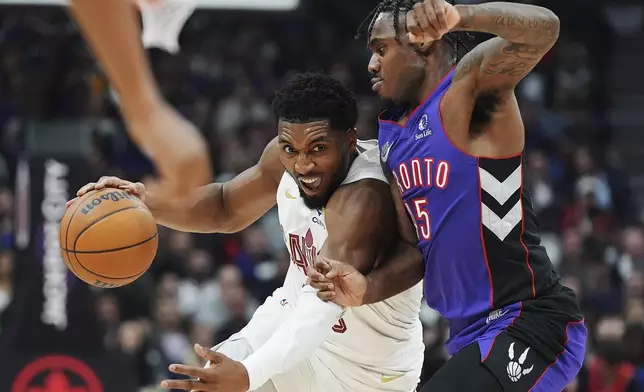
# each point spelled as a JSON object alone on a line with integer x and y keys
{"x": 376, "y": 83}
{"x": 310, "y": 184}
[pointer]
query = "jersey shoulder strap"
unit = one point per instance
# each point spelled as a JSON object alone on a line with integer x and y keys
{"x": 367, "y": 163}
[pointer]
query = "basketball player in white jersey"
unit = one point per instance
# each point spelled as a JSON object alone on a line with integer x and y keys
{"x": 333, "y": 199}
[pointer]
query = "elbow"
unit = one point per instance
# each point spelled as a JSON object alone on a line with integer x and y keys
{"x": 550, "y": 25}
{"x": 222, "y": 227}
{"x": 555, "y": 24}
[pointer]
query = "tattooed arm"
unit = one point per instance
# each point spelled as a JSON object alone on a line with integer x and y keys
{"x": 525, "y": 33}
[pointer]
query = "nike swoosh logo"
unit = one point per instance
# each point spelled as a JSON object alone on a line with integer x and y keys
{"x": 289, "y": 196}
{"x": 385, "y": 379}
{"x": 385, "y": 152}
{"x": 497, "y": 316}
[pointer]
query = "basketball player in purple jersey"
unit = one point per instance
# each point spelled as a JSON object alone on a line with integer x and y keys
{"x": 453, "y": 146}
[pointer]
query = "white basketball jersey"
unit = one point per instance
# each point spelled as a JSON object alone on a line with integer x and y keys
{"x": 380, "y": 338}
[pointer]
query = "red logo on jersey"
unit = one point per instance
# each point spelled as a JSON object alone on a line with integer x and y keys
{"x": 302, "y": 250}
{"x": 340, "y": 326}
{"x": 303, "y": 254}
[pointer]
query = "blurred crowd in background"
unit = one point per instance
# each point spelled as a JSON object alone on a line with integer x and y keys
{"x": 203, "y": 288}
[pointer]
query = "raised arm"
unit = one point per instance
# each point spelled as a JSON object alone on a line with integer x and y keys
{"x": 215, "y": 208}
{"x": 525, "y": 33}
{"x": 359, "y": 218}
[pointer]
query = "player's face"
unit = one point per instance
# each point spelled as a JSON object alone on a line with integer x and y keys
{"x": 316, "y": 157}
{"x": 398, "y": 72}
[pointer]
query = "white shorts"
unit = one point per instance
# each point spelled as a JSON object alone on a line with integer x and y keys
{"x": 323, "y": 371}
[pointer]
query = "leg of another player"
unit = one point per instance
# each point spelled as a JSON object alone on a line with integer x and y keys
{"x": 467, "y": 362}
{"x": 509, "y": 365}
{"x": 112, "y": 30}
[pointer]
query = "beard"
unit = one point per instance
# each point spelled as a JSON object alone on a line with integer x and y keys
{"x": 320, "y": 201}
{"x": 316, "y": 202}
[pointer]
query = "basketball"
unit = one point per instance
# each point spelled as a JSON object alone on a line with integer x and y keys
{"x": 108, "y": 238}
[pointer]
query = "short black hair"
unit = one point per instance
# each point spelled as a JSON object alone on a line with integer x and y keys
{"x": 315, "y": 96}
{"x": 456, "y": 39}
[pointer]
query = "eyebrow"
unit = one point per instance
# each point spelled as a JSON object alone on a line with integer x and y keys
{"x": 319, "y": 139}
{"x": 375, "y": 41}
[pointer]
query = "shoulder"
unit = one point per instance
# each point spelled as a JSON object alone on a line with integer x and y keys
{"x": 365, "y": 198}
{"x": 359, "y": 217}
{"x": 269, "y": 163}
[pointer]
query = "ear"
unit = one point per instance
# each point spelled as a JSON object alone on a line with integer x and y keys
{"x": 352, "y": 135}
{"x": 425, "y": 48}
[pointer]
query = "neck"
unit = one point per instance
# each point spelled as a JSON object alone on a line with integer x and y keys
{"x": 432, "y": 81}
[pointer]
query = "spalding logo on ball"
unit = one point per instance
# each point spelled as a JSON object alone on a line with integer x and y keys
{"x": 108, "y": 238}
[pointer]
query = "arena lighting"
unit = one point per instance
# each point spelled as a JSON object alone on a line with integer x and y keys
{"x": 264, "y": 5}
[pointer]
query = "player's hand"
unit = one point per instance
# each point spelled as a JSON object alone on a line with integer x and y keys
{"x": 430, "y": 20}
{"x": 223, "y": 374}
{"x": 135, "y": 188}
{"x": 338, "y": 282}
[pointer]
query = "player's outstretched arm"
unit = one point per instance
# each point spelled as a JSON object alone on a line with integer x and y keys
{"x": 215, "y": 208}
{"x": 111, "y": 28}
{"x": 177, "y": 149}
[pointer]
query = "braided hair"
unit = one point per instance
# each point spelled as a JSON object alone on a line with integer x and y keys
{"x": 456, "y": 39}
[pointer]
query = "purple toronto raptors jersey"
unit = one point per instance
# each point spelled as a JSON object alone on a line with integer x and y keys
{"x": 474, "y": 221}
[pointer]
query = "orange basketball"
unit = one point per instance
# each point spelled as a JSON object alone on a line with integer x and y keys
{"x": 108, "y": 238}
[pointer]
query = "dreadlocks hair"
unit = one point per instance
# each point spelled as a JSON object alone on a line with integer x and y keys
{"x": 314, "y": 96}
{"x": 396, "y": 7}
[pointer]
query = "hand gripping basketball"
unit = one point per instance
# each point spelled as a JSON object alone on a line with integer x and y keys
{"x": 108, "y": 237}
{"x": 135, "y": 188}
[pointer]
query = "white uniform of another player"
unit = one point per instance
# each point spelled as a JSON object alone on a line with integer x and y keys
{"x": 303, "y": 344}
